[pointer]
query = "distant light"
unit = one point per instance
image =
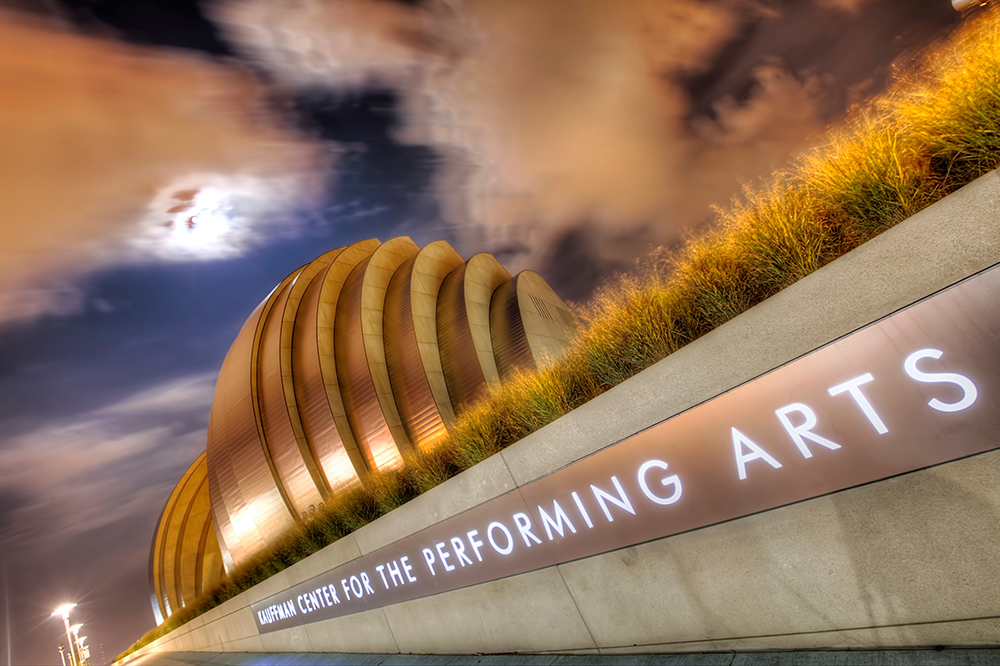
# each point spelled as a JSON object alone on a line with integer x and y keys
{"x": 962, "y": 5}
{"x": 204, "y": 225}
{"x": 76, "y": 628}
{"x": 63, "y": 611}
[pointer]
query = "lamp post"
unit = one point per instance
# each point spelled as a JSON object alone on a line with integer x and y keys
{"x": 63, "y": 612}
{"x": 62, "y": 653}
{"x": 82, "y": 651}
{"x": 76, "y": 642}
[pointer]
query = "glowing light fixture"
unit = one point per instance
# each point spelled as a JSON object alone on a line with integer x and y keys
{"x": 63, "y": 612}
{"x": 962, "y": 5}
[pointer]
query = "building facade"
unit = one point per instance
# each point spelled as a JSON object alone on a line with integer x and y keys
{"x": 353, "y": 361}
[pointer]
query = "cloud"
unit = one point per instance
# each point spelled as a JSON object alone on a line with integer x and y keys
{"x": 746, "y": 141}
{"x": 847, "y": 6}
{"x": 550, "y": 117}
{"x": 568, "y": 116}
{"x": 60, "y": 472}
{"x": 203, "y": 216}
{"x": 175, "y": 396}
{"x": 26, "y": 293}
{"x": 94, "y": 133}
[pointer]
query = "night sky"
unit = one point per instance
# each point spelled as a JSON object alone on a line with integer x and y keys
{"x": 165, "y": 163}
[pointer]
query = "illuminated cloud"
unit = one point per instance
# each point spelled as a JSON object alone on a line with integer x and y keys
{"x": 175, "y": 396}
{"x": 93, "y": 131}
{"x": 849, "y": 6}
{"x": 547, "y": 114}
{"x": 65, "y": 463}
{"x": 343, "y": 44}
{"x": 216, "y": 216}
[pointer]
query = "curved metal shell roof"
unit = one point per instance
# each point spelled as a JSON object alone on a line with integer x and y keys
{"x": 354, "y": 360}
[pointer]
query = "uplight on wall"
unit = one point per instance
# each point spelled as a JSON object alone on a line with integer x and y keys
{"x": 962, "y": 5}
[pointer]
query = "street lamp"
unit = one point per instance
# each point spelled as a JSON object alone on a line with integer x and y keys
{"x": 62, "y": 653}
{"x": 82, "y": 651}
{"x": 63, "y": 612}
{"x": 76, "y": 641}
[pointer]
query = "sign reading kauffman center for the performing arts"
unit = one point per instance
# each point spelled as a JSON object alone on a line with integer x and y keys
{"x": 915, "y": 389}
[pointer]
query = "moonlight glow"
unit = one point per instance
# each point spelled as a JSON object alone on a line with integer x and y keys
{"x": 204, "y": 217}
{"x": 202, "y": 229}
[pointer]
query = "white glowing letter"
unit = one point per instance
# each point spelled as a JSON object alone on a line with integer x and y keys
{"x": 910, "y": 365}
{"x": 368, "y": 583}
{"x": 381, "y": 572}
{"x": 621, "y": 501}
{"x": 394, "y": 574}
{"x": 476, "y": 543}
{"x": 800, "y": 433}
{"x": 503, "y": 528}
{"x": 459, "y": 547}
{"x": 429, "y": 558}
{"x": 673, "y": 480}
{"x": 583, "y": 511}
{"x": 556, "y": 524}
{"x": 524, "y": 527}
{"x": 756, "y": 453}
{"x": 404, "y": 561}
{"x": 444, "y": 555}
{"x": 851, "y": 386}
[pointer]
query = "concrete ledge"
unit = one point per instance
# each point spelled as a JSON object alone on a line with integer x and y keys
{"x": 969, "y": 657}
{"x": 902, "y": 562}
{"x": 533, "y": 612}
{"x": 910, "y": 561}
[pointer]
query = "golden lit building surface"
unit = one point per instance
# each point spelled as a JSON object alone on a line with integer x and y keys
{"x": 184, "y": 560}
{"x": 352, "y": 361}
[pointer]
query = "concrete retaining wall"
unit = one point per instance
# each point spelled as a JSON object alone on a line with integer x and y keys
{"x": 910, "y": 561}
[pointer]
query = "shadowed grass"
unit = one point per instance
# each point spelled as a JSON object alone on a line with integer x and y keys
{"x": 935, "y": 130}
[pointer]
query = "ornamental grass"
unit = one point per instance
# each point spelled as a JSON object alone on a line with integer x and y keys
{"x": 936, "y": 129}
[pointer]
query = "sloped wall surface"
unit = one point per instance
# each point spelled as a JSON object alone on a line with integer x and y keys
{"x": 907, "y": 561}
